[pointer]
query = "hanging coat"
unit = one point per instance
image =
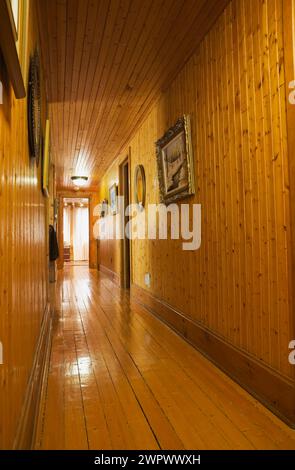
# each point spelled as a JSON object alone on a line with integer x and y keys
{"x": 53, "y": 245}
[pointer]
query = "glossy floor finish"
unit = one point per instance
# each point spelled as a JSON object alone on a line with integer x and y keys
{"x": 121, "y": 379}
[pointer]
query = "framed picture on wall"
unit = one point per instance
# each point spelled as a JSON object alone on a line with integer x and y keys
{"x": 19, "y": 20}
{"x": 175, "y": 162}
{"x": 113, "y": 193}
{"x": 23, "y": 33}
{"x": 46, "y": 160}
{"x": 14, "y": 20}
{"x": 13, "y": 7}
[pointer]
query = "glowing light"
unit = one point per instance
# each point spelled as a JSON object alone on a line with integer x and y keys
{"x": 79, "y": 180}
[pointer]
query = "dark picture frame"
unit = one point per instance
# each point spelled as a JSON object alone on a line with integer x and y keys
{"x": 34, "y": 107}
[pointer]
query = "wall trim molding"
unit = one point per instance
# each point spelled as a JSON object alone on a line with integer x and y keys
{"x": 26, "y": 429}
{"x": 272, "y": 389}
{"x": 111, "y": 274}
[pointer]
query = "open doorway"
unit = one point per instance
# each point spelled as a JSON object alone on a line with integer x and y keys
{"x": 76, "y": 231}
{"x": 125, "y": 246}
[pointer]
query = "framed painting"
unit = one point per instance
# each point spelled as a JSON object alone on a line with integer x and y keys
{"x": 113, "y": 193}
{"x": 175, "y": 162}
{"x": 46, "y": 160}
{"x": 23, "y": 33}
{"x": 13, "y": 8}
{"x": 19, "y": 21}
{"x": 14, "y": 20}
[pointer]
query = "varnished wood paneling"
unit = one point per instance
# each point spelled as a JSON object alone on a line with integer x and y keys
{"x": 239, "y": 284}
{"x": 106, "y": 62}
{"x": 30, "y": 414}
{"x": 289, "y": 55}
{"x": 121, "y": 379}
{"x": 23, "y": 250}
{"x": 109, "y": 248}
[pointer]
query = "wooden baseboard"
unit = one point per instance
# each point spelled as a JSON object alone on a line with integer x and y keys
{"x": 25, "y": 435}
{"x": 273, "y": 390}
{"x": 111, "y": 274}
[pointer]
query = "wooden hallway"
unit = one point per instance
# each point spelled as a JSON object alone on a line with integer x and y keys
{"x": 121, "y": 379}
{"x": 147, "y": 236}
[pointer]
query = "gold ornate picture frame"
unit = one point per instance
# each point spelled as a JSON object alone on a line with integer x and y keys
{"x": 175, "y": 162}
{"x": 140, "y": 186}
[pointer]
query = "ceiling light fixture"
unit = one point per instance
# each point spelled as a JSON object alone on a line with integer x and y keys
{"x": 79, "y": 180}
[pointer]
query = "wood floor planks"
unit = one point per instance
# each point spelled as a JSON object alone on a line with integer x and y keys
{"x": 121, "y": 379}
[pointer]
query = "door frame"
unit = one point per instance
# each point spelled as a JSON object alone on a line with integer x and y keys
{"x": 60, "y": 228}
{"x": 125, "y": 243}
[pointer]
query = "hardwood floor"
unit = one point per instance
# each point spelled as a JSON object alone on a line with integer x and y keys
{"x": 121, "y": 379}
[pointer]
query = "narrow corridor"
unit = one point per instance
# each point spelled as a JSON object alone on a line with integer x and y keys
{"x": 121, "y": 379}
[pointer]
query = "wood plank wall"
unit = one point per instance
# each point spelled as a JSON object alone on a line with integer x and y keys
{"x": 109, "y": 248}
{"x": 23, "y": 254}
{"x": 239, "y": 284}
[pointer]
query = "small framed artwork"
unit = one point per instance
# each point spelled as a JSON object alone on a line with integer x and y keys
{"x": 46, "y": 160}
{"x": 175, "y": 162}
{"x": 140, "y": 186}
{"x": 103, "y": 208}
{"x": 113, "y": 193}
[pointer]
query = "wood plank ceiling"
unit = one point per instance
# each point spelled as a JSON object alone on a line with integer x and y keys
{"x": 106, "y": 61}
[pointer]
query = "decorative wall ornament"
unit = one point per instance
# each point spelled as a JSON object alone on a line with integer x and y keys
{"x": 34, "y": 107}
{"x": 140, "y": 186}
{"x": 175, "y": 162}
{"x": 113, "y": 193}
